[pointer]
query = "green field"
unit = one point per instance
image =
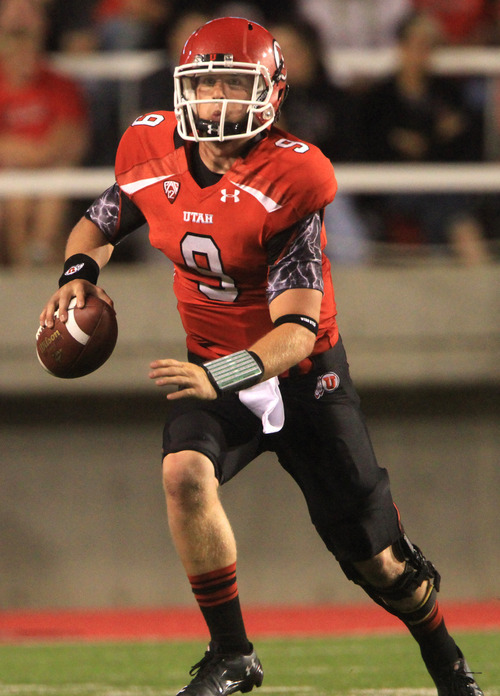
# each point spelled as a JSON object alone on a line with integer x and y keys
{"x": 385, "y": 666}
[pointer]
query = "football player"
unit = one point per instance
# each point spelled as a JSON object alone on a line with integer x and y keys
{"x": 237, "y": 205}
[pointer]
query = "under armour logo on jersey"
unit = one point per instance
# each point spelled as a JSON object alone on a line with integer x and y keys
{"x": 225, "y": 195}
{"x": 326, "y": 383}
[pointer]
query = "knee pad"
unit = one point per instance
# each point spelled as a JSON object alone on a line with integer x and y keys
{"x": 417, "y": 569}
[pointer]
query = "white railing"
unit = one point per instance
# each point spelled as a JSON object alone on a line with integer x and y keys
{"x": 87, "y": 183}
{"x": 109, "y": 65}
{"x": 129, "y": 65}
{"x": 380, "y": 178}
{"x": 446, "y": 61}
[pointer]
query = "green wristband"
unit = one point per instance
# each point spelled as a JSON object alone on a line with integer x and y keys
{"x": 234, "y": 372}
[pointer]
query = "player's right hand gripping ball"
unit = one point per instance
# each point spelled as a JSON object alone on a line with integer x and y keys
{"x": 80, "y": 345}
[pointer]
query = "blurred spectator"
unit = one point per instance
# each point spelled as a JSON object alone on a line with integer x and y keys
{"x": 70, "y": 26}
{"x": 315, "y": 108}
{"x": 131, "y": 24}
{"x": 121, "y": 25}
{"x": 326, "y": 115}
{"x": 462, "y": 21}
{"x": 43, "y": 123}
{"x": 156, "y": 91}
{"x": 262, "y": 11}
{"x": 355, "y": 23}
{"x": 468, "y": 23}
{"x": 415, "y": 116}
{"x": 249, "y": 10}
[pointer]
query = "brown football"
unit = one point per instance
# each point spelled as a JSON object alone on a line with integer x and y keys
{"x": 80, "y": 345}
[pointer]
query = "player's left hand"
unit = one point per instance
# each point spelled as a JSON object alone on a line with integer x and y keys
{"x": 192, "y": 379}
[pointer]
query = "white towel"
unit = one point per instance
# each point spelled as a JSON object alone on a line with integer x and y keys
{"x": 265, "y": 401}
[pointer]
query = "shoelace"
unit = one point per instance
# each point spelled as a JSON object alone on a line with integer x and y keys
{"x": 201, "y": 665}
{"x": 466, "y": 675}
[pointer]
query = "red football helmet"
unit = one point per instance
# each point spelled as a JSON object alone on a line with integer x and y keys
{"x": 229, "y": 45}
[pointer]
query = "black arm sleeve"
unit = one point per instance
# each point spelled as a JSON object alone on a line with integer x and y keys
{"x": 295, "y": 257}
{"x": 115, "y": 214}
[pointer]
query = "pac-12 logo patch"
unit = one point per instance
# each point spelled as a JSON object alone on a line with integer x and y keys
{"x": 171, "y": 189}
{"x": 326, "y": 383}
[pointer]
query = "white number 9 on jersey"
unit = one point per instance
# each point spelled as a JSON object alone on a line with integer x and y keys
{"x": 196, "y": 247}
{"x": 295, "y": 144}
{"x": 149, "y": 120}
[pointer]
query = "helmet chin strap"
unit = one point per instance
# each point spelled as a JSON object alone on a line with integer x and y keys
{"x": 212, "y": 128}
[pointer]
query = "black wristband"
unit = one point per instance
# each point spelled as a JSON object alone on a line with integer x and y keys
{"x": 79, "y": 266}
{"x": 234, "y": 372}
{"x": 302, "y": 319}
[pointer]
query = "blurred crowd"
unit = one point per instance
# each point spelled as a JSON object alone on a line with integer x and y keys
{"x": 411, "y": 114}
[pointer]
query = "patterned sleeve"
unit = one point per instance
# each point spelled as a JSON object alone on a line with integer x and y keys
{"x": 115, "y": 214}
{"x": 295, "y": 258}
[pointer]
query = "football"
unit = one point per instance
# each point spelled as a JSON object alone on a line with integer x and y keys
{"x": 80, "y": 345}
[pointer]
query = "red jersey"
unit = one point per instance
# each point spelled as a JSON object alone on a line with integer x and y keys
{"x": 459, "y": 19}
{"x": 227, "y": 240}
{"x": 108, "y": 8}
{"x": 32, "y": 110}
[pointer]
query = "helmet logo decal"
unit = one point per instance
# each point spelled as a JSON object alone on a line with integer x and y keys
{"x": 278, "y": 59}
{"x": 226, "y": 58}
{"x": 328, "y": 382}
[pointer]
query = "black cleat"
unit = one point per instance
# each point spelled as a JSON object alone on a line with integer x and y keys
{"x": 218, "y": 675}
{"x": 458, "y": 680}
